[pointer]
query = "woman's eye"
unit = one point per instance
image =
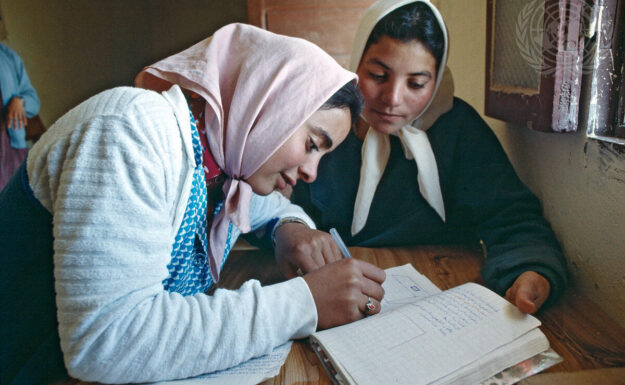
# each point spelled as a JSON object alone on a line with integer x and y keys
{"x": 312, "y": 146}
{"x": 415, "y": 85}
{"x": 376, "y": 76}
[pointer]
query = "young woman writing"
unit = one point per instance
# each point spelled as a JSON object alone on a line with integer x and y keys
{"x": 126, "y": 209}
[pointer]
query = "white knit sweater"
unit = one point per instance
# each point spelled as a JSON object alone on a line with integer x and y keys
{"x": 115, "y": 173}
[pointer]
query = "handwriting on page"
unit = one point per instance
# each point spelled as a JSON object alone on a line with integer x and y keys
{"x": 427, "y": 338}
{"x": 453, "y": 311}
{"x": 449, "y": 312}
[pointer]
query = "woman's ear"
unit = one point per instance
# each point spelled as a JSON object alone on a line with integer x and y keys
{"x": 149, "y": 81}
{"x": 195, "y": 101}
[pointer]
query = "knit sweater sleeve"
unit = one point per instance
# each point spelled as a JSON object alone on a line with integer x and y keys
{"x": 110, "y": 172}
{"x": 489, "y": 197}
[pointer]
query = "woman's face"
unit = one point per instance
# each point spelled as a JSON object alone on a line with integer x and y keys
{"x": 397, "y": 80}
{"x": 299, "y": 156}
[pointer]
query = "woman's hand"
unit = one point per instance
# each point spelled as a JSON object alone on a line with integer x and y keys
{"x": 342, "y": 289}
{"x": 529, "y": 292}
{"x": 16, "y": 117}
{"x": 298, "y": 247}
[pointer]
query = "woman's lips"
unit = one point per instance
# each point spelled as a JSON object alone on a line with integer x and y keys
{"x": 284, "y": 180}
{"x": 390, "y": 118}
{"x": 281, "y": 183}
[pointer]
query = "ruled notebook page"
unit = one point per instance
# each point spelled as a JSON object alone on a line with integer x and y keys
{"x": 426, "y": 340}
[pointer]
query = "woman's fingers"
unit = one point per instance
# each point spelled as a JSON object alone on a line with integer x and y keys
{"x": 304, "y": 248}
{"x": 529, "y": 292}
{"x": 342, "y": 290}
{"x": 309, "y": 258}
{"x": 373, "y": 272}
{"x": 373, "y": 289}
{"x": 15, "y": 114}
{"x": 294, "y": 249}
{"x": 331, "y": 251}
{"x": 16, "y": 122}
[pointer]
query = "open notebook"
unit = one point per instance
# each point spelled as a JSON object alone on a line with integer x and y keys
{"x": 464, "y": 335}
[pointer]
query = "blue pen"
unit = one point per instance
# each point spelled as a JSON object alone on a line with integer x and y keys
{"x": 340, "y": 243}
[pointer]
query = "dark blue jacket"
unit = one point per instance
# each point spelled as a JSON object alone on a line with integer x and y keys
{"x": 484, "y": 200}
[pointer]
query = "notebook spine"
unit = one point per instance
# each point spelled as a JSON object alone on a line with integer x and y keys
{"x": 335, "y": 376}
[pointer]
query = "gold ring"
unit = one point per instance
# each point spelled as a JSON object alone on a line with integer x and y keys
{"x": 369, "y": 306}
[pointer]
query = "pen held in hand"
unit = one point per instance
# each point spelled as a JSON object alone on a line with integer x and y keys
{"x": 340, "y": 243}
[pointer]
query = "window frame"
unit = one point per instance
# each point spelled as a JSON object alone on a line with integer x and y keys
{"x": 554, "y": 105}
{"x": 606, "y": 110}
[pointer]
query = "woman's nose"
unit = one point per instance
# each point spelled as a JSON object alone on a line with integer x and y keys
{"x": 391, "y": 94}
{"x": 308, "y": 170}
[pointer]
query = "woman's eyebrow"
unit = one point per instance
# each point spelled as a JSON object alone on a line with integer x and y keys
{"x": 386, "y": 67}
{"x": 380, "y": 63}
{"x": 421, "y": 73}
{"x": 325, "y": 137}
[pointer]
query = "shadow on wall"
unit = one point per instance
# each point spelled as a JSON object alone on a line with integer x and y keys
{"x": 75, "y": 49}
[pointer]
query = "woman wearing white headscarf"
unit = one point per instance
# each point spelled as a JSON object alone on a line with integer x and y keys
{"x": 422, "y": 167}
{"x": 126, "y": 209}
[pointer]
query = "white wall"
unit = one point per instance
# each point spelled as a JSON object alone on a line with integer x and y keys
{"x": 580, "y": 182}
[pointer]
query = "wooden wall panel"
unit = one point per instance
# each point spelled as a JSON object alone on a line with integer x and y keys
{"x": 331, "y": 24}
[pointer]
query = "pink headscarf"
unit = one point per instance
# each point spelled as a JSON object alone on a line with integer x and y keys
{"x": 259, "y": 88}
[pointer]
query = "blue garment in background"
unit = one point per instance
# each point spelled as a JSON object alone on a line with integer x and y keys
{"x": 14, "y": 82}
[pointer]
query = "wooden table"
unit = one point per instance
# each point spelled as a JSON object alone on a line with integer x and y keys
{"x": 578, "y": 330}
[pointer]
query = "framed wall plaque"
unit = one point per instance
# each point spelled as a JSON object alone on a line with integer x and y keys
{"x": 534, "y": 62}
